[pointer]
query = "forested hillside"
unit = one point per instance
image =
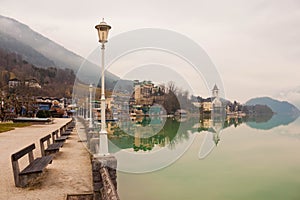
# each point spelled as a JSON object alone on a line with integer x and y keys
{"x": 53, "y": 81}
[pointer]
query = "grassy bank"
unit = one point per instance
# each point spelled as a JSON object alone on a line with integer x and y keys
{"x": 11, "y": 126}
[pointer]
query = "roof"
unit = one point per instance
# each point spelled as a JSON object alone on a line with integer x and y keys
{"x": 14, "y": 79}
{"x": 207, "y": 100}
{"x": 215, "y": 87}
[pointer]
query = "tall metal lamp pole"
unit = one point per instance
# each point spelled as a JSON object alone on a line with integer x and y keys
{"x": 86, "y": 108}
{"x": 103, "y": 30}
{"x": 91, "y": 107}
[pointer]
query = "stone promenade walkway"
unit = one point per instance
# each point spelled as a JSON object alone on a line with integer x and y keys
{"x": 69, "y": 173}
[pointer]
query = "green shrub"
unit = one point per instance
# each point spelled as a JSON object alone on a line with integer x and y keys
{"x": 43, "y": 114}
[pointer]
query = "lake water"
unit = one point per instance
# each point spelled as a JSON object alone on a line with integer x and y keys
{"x": 250, "y": 161}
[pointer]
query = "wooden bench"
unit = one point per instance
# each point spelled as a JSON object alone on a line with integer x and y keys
{"x": 64, "y": 131}
{"x": 67, "y": 129}
{"x": 71, "y": 124}
{"x": 56, "y": 138}
{"x": 33, "y": 170}
{"x": 50, "y": 148}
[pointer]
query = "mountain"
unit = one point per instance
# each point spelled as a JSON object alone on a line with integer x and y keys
{"x": 42, "y": 52}
{"x": 285, "y": 113}
{"x": 278, "y": 107}
{"x": 49, "y": 81}
{"x": 10, "y": 44}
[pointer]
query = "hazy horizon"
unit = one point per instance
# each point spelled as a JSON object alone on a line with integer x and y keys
{"x": 254, "y": 45}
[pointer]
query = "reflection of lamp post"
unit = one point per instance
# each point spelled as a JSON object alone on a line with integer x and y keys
{"x": 103, "y": 30}
{"x": 91, "y": 110}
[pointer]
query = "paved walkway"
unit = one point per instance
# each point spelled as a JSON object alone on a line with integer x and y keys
{"x": 69, "y": 173}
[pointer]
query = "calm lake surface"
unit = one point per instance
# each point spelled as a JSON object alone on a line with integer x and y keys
{"x": 250, "y": 161}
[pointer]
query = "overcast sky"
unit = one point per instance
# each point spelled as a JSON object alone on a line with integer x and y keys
{"x": 255, "y": 45}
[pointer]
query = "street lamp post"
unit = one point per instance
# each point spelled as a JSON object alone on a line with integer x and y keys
{"x": 91, "y": 108}
{"x": 81, "y": 115}
{"x": 87, "y": 108}
{"x": 103, "y": 30}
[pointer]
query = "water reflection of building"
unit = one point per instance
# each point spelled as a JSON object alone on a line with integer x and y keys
{"x": 205, "y": 123}
{"x": 217, "y": 126}
{"x": 218, "y": 115}
{"x": 212, "y": 125}
{"x": 144, "y": 134}
{"x": 212, "y": 116}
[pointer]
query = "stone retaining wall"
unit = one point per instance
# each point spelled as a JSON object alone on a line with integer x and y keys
{"x": 105, "y": 178}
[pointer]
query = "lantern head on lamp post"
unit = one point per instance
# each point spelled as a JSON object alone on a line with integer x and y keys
{"x": 103, "y": 30}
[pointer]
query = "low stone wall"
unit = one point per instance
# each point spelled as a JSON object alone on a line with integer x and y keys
{"x": 80, "y": 197}
{"x": 105, "y": 178}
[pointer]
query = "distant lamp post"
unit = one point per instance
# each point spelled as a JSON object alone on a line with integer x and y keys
{"x": 86, "y": 108}
{"x": 103, "y": 30}
{"x": 91, "y": 107}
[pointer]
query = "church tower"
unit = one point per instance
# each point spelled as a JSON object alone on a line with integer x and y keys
{"x": 215, "y": 91}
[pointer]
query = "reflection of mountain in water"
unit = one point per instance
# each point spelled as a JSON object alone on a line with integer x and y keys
{"x": 275, "y": 121}
{"x": 285, "y": 113}
{"x": 152, "y": 133}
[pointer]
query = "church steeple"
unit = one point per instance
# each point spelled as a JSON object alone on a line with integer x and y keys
{"x": 216, "y": 101}
{"x": 215, "y": 91}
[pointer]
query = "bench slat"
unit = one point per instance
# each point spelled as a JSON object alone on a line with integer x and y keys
{"x": 37, "y": 166}
{"x": 47, "y": 137}
{"x": 66, "y": 133}
{"x": 22, "y": 152}
{"x": 61, "y": 138}
{"x": 54, "y": 146}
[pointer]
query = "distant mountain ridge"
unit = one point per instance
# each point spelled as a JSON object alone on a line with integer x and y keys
{"x": 28, "y": 53}
{"x": 42, "y": 52}
{"x": 278, "y": 107}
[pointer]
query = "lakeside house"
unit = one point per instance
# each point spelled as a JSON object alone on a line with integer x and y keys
{"x": 146, "y": 93}
{"x": 32, "y": 83}
{"x": 14, "y": 82}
